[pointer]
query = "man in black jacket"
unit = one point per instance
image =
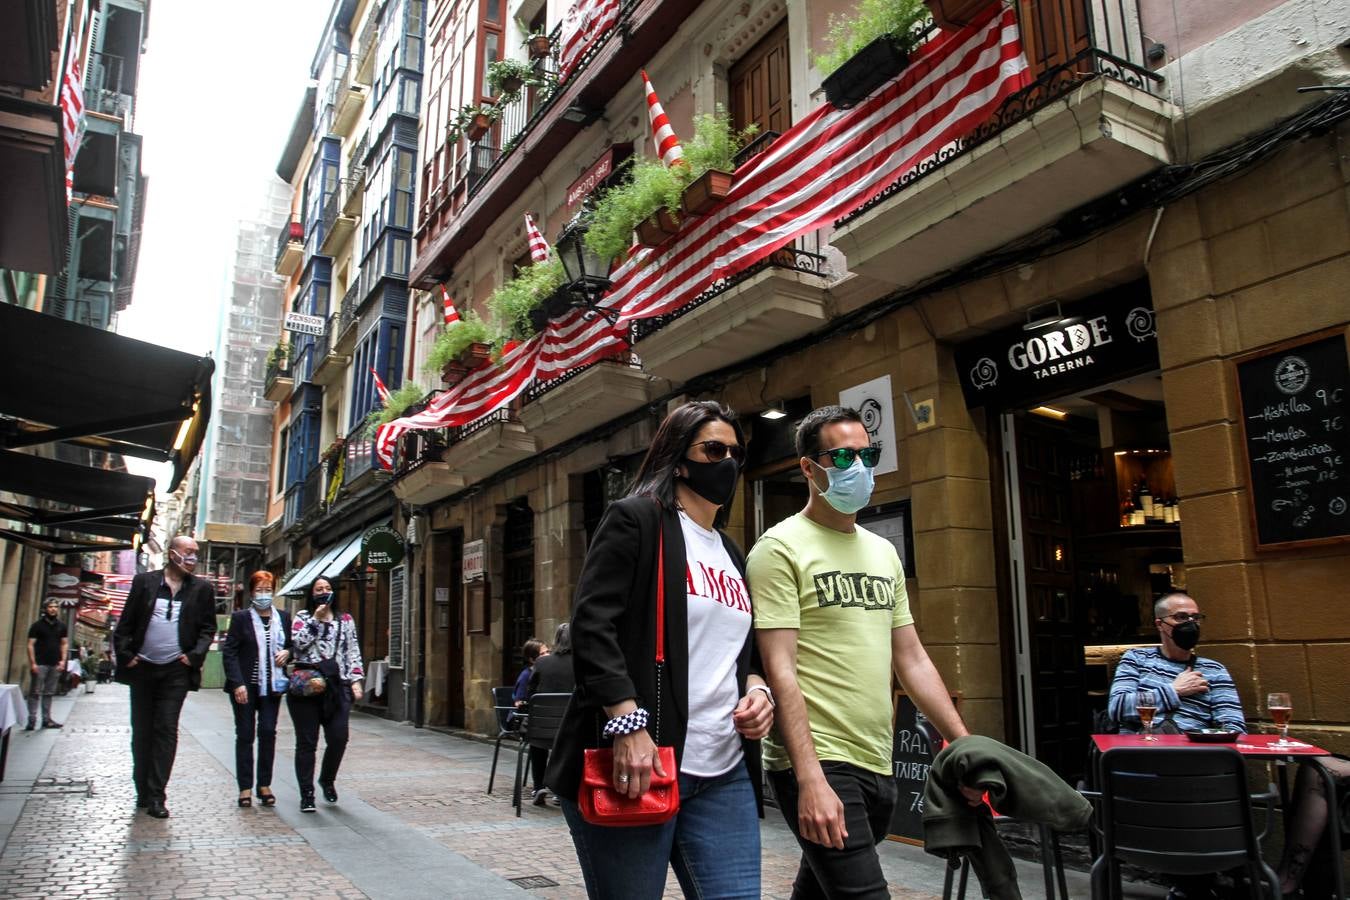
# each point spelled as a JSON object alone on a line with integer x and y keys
{"x": 161, "y": 640}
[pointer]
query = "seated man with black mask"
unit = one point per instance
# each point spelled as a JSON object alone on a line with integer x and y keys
{"x": 1193, "y": 692}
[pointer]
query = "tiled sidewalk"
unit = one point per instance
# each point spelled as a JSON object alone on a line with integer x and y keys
{"x": 414, "y": 821}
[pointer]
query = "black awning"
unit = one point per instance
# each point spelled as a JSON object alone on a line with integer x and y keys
{"x": 65, "y": 504}
{"x": 69, "y": 382}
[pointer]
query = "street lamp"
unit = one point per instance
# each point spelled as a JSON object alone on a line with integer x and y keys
{"x": 585, "y": 270}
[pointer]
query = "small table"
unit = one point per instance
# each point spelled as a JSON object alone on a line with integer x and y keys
{"x": 377, "y": 671}
{"x": 12, "y": 711}
{"x": 1254, "y": 746}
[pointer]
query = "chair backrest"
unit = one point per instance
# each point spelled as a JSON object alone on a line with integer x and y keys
{"x": 1181, "y": 811}
{"x": 503, "y": 705}
{"x": 546, "y": 714}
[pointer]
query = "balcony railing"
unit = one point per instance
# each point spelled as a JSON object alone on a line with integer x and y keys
{"x": 323, "y": 343}
{"x": 109, "y": 87}
{"x": 347, "y": 311}
{"x": 789, "y": 258}
{"x": 360, "y": 452}
{"x": 455, "y": 435}
{"x": 1112, "y": 35}
{"x": 417, "y": 448}
{"x": 540, "y": 388}
{"x": 761, "y": 143}
{"x": 311, "y": 496}
{"x": 291, "y": 232}
{"x": 279, "y": 367}
{"x": 352, "y": 189}
{"x": 292, "y": 516}
{"x": 363, "y": 52}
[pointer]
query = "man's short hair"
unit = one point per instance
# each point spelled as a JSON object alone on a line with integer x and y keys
{"x": 808, "y": 432}
{"x": 1160, "y": 606}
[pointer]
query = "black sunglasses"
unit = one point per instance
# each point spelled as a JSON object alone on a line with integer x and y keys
{"x": 716, "y": 451}
{"x": 843, "y": 457}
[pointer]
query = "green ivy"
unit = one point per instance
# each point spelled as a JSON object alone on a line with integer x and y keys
{"x": 873, "y": 18}
{"x": 511, "y": 303}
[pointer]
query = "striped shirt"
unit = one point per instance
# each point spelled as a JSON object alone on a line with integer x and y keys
{"x": 1218, "y": 707}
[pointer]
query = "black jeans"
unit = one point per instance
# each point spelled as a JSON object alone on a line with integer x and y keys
{"x": 331, "y": 709}
{"x": 854, "y": 872}
{"x": 157, "y": 695}
{"x": 256, "y": 717}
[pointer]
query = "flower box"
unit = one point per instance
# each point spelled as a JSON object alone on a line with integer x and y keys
{"x": 453, "y": 372}
{"x": 650, "y": 233}
{"x": 474, "y": 355}
{"x": 553, "y": 306}
{"x": 706, "y": 191}
{"x": 953, "y": 14}
{"x": 539, "y": 46}
{"x": 478, "y": 126}
{"x": 873, "y": 66}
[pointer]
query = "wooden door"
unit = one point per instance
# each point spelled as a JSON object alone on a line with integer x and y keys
{"x": 1056, "y": 625}
{"x": 518, "y": 560}
{"x": 1053, "y": 32}
{"x": 448, "y": 574}
{"x": 760, "y": 88}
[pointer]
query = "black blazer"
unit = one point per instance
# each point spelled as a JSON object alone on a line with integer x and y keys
{"x": 552, "y": 674}
{"x": 239, "y": 654}
{"x": 196, "y": 623}
{"x": 614, "y": 640}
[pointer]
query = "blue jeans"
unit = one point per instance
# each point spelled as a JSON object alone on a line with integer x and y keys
{"x": 712, "y": 843}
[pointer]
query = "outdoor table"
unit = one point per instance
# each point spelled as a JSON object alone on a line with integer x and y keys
{"x": 377, "y": 671}
{"x": 1253, "y": 746}
{"x": 12, "y": 711}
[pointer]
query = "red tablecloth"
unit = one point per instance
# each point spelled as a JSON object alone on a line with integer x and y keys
{"x": 1256, "y": 745}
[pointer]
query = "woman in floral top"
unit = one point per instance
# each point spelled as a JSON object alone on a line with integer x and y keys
{"x": 323, "y": 638}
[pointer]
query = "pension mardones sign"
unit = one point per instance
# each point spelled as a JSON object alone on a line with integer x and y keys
{"x": 1100, "y": 339}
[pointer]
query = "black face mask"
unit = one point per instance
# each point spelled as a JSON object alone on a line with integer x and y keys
{"x": 714, "y": 482}
{"x": 330, "y": 599}
{"x": 1186, "y": 635}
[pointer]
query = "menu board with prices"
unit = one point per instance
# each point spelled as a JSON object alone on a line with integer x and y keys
{"x": 1295, "y": 402}
{"x": 911, "y": 756}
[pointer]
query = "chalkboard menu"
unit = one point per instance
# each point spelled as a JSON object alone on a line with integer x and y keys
{"x": 911, "y": 756}
{"x": 1296, "y": 423}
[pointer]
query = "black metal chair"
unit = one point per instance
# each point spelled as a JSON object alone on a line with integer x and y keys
{"x": 508, "y": 727}
{"x": 1052, "y": 861}
{"x": 1178, "y": 811}
{"x": 541, "y": 727}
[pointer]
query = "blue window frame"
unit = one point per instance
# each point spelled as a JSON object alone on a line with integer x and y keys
{"x": 312, "y": 299}
{"x": 381, "y": 350}
{"x": 320, "y": 182}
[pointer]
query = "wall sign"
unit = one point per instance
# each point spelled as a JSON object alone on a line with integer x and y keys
{"x": 911, "y": 756}
{"x": 1104, "y": 338}
{"x": 475, "y": 560}
{"x": 874, "y": 401}
{"x": 315, "y": 325}
{"x": 63, "y": 586}
{"x": 382, "y": 548}
{"x": 601, "y": 169}
{"x": 1295, "y": 400}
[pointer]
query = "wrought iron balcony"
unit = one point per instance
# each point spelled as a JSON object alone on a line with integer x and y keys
{"x": 361, "y": 459}
{"x": 346, "y": 96}
{"x": 290, "y": 246}
{"x": 337, "y": 227}
{"x": 763, "y": 141}
{"x": 110, "y": 87}
{"x": 329, "y": 363}
{"x": 311, "y": 497}
{"x": 345, "y": 329}
{"x": 353, "y": 192}
{"x": 363, "y": 51}
{"x": 277, "y": 382}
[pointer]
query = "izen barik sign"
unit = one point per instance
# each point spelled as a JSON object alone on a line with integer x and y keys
{"x": 1103, "y": 339}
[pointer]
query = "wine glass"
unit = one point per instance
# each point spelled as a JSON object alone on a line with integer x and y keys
{"x": 1281, "y": 709}
{"x": 1146, "y": 703}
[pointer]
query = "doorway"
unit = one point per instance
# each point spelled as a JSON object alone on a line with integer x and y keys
{"x": 518, "y": 609}
{"x": 447, "y": 574}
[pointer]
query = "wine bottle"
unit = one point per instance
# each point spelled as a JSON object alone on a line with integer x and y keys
{"x": 1146, "y": 500}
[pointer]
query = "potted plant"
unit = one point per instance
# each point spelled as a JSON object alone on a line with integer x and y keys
{"x": 460, "y": 348}
{"x": 538, "y": 44}
{"x": 512, "y": 303}
{"x": 954, "y": 14}
{"x": 507, "y": 76}
{"x": 480, "y": 119}
{"x": 630, "y": 206}
{"x": 869, "y": 48}
{"x": 711, "y": 160}
{"x": 399, "y": 400}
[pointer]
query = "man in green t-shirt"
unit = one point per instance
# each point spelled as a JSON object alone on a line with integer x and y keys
{"x": 832, "y": 621}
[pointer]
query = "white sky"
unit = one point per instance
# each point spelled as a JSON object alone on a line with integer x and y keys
{"x": 219, "y": 88}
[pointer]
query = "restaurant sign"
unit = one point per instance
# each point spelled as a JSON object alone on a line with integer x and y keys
{"x": 1102, "y": 339}
{"x": 601, "y": 169}
{"x": 63, "y": 586}
{"x": 475, "y": 560}
{"x": 382, "y": 548}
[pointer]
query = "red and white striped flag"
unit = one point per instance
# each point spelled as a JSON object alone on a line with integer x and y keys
{"x": 380, "y": 389}
{"x": 538, "y": 246}
{"x": 583, "y": 25}
{"x": 451, "y": 314}
{"x": 663, "y": 136}
{"x": 72, "y": 116}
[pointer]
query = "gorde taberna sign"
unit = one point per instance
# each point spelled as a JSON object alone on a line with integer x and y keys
{"x": 1098, "y": 340}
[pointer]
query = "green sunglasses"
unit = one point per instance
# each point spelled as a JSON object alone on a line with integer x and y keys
{"x": 843, "y": 457}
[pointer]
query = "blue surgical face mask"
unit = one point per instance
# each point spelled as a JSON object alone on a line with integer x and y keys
{"x": 262, "y": 601}
{"x": 850, "y": 489}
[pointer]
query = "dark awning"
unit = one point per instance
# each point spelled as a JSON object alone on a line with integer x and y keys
{"x": 69, "y": 382}
{"x": 82, "y": 503}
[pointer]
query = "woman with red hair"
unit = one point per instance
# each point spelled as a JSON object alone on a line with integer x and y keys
{"x": 255, "y": 653}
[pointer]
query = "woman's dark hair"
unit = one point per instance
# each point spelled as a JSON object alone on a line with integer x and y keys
{"x": 310, "y": 605}
{"x": 530, "y": 650}
{"x": 562, "y": 640}
{"x": 656, "y": 476}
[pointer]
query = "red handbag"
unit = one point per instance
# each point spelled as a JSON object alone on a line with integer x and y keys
{"x": 599, "y": 802}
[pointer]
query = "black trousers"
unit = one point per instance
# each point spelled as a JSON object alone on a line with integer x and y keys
{"x": 854, "y": 872}
{"x": 257, "y": 717}
{"x": 331, "y": 710}
{"x": 157, "y": 695}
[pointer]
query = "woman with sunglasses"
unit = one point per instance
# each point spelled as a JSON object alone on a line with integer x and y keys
{"x": 323, "y": 640}
{"x": 254, "y": 656}
{"x": 712, "y": 705}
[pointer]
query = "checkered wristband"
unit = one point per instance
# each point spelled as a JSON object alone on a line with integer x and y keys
{"x": 626, "y": 724}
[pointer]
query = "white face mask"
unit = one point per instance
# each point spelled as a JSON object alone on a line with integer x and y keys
{"x": 262, "y": 601}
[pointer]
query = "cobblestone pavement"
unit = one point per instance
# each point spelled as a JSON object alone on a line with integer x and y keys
{"x": 414, "y": 821}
